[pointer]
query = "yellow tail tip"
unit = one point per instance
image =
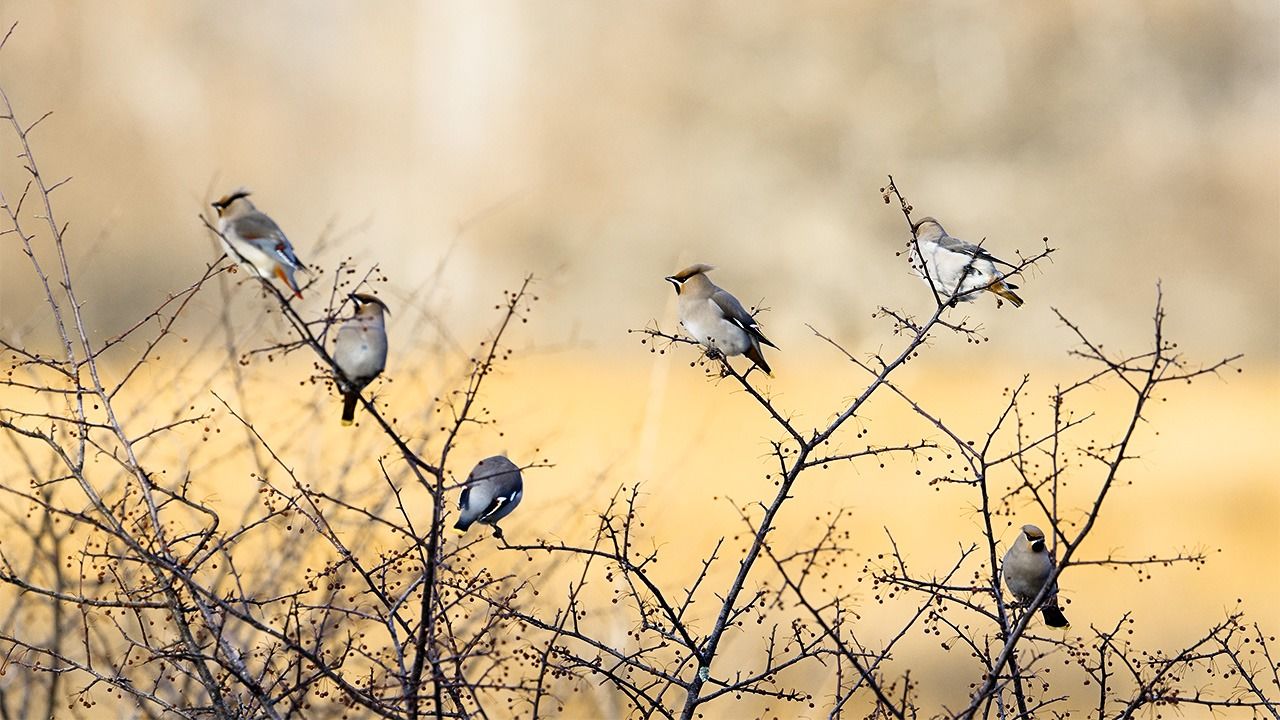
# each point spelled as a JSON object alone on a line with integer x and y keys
{"x": 347, "y": 423}
{"x": 1004, "y": 291}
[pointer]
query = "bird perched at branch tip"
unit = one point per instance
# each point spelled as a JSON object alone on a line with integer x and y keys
{"x": 959, "y": 271}
{"x": 1027, "y": 566}
{"x": 255, "y": 241}
{"x": 716, "y": 319}
{"x": 492, "y": 490}
{"x": 360, "y": 351}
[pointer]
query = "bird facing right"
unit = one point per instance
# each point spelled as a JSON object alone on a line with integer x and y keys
{"x": 959, "y": 271}
{"x": 255, "y": 242}
{"x": 716, "y": 319}
{"x": 1027, "y": 567}
{"x": 493, "y": 489}
{"x": 360, "y": 351}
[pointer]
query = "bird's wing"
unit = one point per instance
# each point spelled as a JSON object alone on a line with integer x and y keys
{"x": 263, "y": 232}
{"x": 1053, "y": 567}
{"x": 738, "y": 315}
{"x": 462, "y": 501}
{"x": 957, "y": 245}
{"x": 493, "y": 508}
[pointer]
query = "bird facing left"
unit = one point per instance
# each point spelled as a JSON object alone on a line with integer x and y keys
{"x": 255, "y": 242}
{"x": 959, "y": 271}
{"x": 715, "y": 318}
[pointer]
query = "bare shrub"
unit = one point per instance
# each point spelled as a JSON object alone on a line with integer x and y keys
{"x": 334, "y": 595}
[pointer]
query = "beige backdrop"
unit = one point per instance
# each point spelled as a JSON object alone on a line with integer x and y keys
{"x": 600, "y": 146}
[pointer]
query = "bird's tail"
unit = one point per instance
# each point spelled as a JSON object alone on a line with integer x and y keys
{"x": 461, "y": 526}
{"x": 287, "y": 279}
{"x": 349, "y": 408}
{"x": 1005, "y": 290}
{"x": 754, "y": 355}
{"x": 760, "y": 336}
{"x": 1053, "y": 616}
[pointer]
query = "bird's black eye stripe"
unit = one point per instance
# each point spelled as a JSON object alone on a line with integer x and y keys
{"x": 224, "y": 202}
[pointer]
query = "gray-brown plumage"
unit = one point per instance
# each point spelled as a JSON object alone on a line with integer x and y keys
{"x": 716, "y": 319}
{"x": 360, "y": 351}
{"x": 959, "y": 270}
{"x": 1027, "y": 566}
{"x": 255, "y": 241}
{"x": 493, "y": 489}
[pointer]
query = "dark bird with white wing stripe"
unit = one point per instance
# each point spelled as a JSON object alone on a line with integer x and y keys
{"x": 493, "y": 489}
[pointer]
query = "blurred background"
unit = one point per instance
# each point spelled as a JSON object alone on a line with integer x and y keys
{"x": 601, "y": 146}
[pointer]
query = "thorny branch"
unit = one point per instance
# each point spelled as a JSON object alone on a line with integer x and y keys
{"x": 328, "y": 594}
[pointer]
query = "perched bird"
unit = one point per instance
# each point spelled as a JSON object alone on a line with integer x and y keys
{"x": 1026, "y": 568}
{"x": 255, "y": 241}
{"x": 716, "y": 319}
{"x": 947, "y": 260}
{"x": 360, "y": 351}
{"x": 492, "y": 491}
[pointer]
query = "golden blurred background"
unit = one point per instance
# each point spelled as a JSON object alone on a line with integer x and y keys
{"x": 600, "y": 146}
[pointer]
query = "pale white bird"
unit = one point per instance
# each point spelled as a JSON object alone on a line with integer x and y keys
{"x": 360, "y": 351}
{"x": 959, "y": 270}
{"x": 1027, "y": 566}
{"x": 492, "y": 490}
{"x": 715, "y": 318}
{"x": 255, "y": 241}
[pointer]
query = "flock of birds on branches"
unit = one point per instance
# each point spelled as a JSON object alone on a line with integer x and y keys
{"x": 956, "y": 271}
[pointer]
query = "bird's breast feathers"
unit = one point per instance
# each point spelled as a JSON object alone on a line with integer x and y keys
{"x": 248, "y": 255}
{"x": 709, "y": 326}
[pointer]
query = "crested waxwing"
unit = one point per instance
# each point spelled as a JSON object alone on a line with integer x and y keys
{"x": 716, "y": 319}
{"x": 255, "y": 241}
{"x": 360, "y": 351}
{"x": 493, "y": 489}
{"x": 1026, "y": 568}
{"x": 947, "y": 259}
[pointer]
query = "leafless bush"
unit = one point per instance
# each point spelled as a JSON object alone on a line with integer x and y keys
{"x": 329, "y": 598}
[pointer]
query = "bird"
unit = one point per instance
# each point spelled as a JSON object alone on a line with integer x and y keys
{"x": 716, "y": 319}
{"x": 255, "y": 241}
{"x": 1027, "y": 567}
{"x": 492, "y": 490}
{"x": 948, "y": 259}
{"x": 360, "y": 351}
